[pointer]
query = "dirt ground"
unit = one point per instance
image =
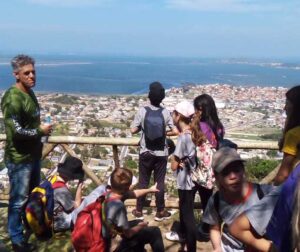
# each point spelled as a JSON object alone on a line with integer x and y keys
{"x": 61, "y": 242}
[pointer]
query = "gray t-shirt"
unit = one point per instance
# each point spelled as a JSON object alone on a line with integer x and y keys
{"x": 138, "y": 122}
{"x": 116, "y": 220}
{"x": 185, "y": 151}
{"x": 260, "y": 214}
{"x": 63, "y": 207}
{"x": 228, "y": 213}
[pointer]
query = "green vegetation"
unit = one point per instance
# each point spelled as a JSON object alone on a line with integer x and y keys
{"x": 61, "y": 129}
{"x": 65, "y": 99}
{"x": 275, "y": 136}
{"x": 129, "y": 163}
{"x": 257, "y": 168}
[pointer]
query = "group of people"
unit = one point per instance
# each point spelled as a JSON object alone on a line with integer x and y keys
{"x": 239, "y": 216}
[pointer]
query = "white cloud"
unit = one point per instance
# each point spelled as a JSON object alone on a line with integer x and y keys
{"x": 69, "y": 3}
{"x": 231, "y": 5}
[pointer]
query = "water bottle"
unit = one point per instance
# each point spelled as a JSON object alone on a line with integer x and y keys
{"x": 47, "y": 120}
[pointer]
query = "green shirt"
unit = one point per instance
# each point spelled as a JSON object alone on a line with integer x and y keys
{"x": 21, "y": 113}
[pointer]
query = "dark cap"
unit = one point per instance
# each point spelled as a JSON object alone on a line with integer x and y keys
{"x": 224, "y": 157}
{"x": 71, "y": 168}
{"x": 156, "y": 93}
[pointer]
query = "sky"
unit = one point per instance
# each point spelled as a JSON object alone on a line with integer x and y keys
{"x": 184, "y": 28}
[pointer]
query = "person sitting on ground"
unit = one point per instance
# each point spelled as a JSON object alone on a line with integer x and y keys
{"x": 64, "y": 202}
{"x": 96, "y": 193}
{"x": 153, "y": 120}
{"x": 291, "y": 134}
{"x": 278, "y": 230}
{"x": 135, "y": 234}
{"x": 235, "y": 195}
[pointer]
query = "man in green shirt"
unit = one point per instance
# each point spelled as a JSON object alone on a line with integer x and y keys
{"x": 23, "y": 128}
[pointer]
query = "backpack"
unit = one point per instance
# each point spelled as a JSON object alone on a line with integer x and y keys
{"x": 203, "y": 173}
{"x": 154, "y": 129}
{"x": 87, "y": 232}
{"x": 39, "y": 208}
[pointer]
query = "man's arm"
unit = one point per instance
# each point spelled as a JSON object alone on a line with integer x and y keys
{"x": 215, "y": 237}
{"x": 285, "y": 168}
{"x": 78, "y": 195}
{"x": 12, "y": 114}
{"x": 136, "y": 124}
{"x": 141, "y": 192}
{"x": 242, "y": 230}
{"x": 135, "y": 130}
{"x": 173, "y": 132}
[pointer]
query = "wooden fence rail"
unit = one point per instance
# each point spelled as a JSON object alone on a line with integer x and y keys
{"x": 65, "y": 141}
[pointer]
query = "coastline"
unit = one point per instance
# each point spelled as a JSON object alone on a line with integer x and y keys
{"x": 168, "y": 90}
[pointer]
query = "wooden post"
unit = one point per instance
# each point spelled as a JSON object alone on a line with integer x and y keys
{"x": 116, "y": 156}
{"x": 87, "y": 170}
{"x": 47, "y": 148}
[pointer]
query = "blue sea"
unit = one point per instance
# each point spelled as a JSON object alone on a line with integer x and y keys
{"x": 132, "y": 75}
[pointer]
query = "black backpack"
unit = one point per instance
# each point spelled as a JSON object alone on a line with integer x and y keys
{"x": 154, "y": 129}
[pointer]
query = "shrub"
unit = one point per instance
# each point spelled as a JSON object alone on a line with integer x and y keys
{"x": 257, "y": 168}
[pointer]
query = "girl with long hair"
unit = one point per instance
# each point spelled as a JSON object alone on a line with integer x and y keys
{"x": 206, "y": 126}
{"x": 291, "y": 134}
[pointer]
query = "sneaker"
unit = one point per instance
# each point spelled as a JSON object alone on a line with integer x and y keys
{"x": 163, "y": 215}
{"x": 173, "y": 236}
{"x": 138, "y": 215}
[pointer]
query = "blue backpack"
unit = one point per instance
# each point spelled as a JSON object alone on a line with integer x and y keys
{"x": 154, "y": 129}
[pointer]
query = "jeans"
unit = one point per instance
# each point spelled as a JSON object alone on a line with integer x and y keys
{"x": 22, "y": 178}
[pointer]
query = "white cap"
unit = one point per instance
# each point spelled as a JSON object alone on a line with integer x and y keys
{"x": 185, "y": 108}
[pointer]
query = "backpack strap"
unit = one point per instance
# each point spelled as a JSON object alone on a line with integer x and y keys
{"x": 58, "y": 184}
{"x": 217, "y": 205}
{"x": 260, "y": 193}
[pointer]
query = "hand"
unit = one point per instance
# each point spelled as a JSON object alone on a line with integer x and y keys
{"x": 143, "y": 224}
{"x": 153, "y": 188}
{"x": 46, "y": 128}
{"x": 181, "y": 164}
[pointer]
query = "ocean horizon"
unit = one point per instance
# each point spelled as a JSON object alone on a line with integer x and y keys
{"x": 131, "y": 75}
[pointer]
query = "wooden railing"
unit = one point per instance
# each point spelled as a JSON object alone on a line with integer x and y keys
{"x": 66, "y": 141}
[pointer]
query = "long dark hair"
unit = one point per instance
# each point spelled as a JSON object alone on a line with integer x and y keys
{"x": 293, "y": 120}
{"x": 205, "y": 111}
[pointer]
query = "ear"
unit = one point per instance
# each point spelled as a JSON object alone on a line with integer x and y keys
{"x": 16, "y": 75}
